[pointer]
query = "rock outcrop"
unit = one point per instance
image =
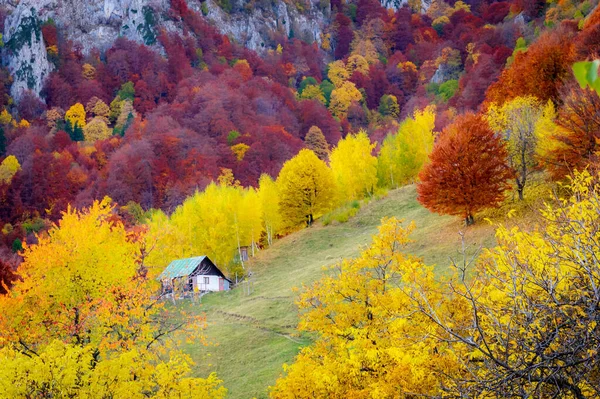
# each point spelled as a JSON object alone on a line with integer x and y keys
{"x": 97, "y": 23}
{"x": 253, "y": 28}
{"x": 393, "y": 4}
{"x": 396, "y": 4}
{"x": 25, "y": 53}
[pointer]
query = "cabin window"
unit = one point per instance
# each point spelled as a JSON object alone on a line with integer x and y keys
{"x": 206, "y": 280}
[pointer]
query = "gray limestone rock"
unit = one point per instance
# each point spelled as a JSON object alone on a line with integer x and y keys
{"x": 98, "y": 23}
{"x": 24, "y": 51}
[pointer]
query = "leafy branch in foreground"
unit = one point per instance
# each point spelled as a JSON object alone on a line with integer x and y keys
{"x": 519, "y": 322}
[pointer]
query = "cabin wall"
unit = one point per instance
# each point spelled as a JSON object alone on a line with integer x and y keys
{"x": 213, "y": 283}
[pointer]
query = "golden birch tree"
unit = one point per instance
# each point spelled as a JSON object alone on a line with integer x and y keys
{"x": 354, "y": 166}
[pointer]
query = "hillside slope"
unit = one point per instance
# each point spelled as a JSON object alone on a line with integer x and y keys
{"x": 253, "y": 335}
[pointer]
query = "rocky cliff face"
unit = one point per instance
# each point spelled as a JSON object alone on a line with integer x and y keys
{"x": 97, "y": 23}
{"x": 253, "y": 28}
{"x": 25, "y": 53}
{"x": 396, "y": 4}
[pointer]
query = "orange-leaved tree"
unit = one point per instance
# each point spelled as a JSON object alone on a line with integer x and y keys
{"x": 575, "y": 141}
{"x": 467, "y": 170}
{"x": 539, "y": 71}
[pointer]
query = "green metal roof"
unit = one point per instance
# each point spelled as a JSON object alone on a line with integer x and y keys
{"x": 181, "y": 267}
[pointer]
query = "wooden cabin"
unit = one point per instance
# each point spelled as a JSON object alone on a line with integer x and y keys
{"x": 189, "y": 275}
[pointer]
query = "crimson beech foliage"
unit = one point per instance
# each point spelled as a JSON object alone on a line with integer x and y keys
{"x": 540, "y": 71}
{"x": 467, "y": 170}
{"x": 190, "y": 96}
{"x": 343, "y": 35}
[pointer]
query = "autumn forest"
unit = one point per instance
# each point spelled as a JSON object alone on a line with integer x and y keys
{"x": 183, "y": 137}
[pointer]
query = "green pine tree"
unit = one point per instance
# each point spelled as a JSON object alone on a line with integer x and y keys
{"x": 74, "y": 132}
{"x": 2, "y": 141}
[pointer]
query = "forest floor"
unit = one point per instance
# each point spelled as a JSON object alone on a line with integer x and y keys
{"x": 252, "y": 335}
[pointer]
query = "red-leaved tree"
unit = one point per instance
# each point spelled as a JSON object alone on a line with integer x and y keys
{"x": 539, "y": 71}
{"x": 579, "y": 136}
{"x": 468, "y": 170}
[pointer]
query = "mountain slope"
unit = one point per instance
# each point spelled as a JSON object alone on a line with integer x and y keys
{"x": 97, "y": 24}
{"x": 255, "y": 334}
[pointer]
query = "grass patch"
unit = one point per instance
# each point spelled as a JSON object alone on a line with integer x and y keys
{"x": 341, "y": 214}
{"x": 252, "y": 335}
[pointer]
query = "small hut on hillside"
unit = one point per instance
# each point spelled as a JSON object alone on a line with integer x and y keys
{"x": 189, "y": 275}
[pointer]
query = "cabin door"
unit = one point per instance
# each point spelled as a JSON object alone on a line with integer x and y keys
{"x": 221, "y": 284}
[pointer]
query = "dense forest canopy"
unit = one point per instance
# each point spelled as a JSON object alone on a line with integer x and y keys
{"x": 151, "y": 123}
{"x": 181, "y": 141}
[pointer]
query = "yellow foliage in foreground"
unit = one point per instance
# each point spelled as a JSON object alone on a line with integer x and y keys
{"x": 520, "y": 322}
{"x": 84, "y": 320}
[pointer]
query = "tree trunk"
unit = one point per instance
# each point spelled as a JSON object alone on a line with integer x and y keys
{"x": 520, "y": 187}
{"x": 469, "y": 220}
{"x": 238, "y": 243}
{"x": 520, "y": 191}
{"x": 269, "y": 236}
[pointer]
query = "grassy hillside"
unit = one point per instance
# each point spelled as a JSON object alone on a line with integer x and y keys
{"x": 253, "y": 335}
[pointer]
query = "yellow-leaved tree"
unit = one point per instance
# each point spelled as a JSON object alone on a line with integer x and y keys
{"x": 342, "y": 97}
{"x": 370, "y": 341}
{"x": 357, "y": 63}
{"x": 100, "y": 109}
{"x": 84, "y": 321}
{"x": 354, "y": 166}
{"x": 547, "y": 133}
{"x": 76, "y": 115}
{"x": 516, "y": 121}
{"x": 306, "y": 189}
{"x": 239, "y": 150}
{"x": 520, "y": 321}
{"x": 403, "y": 154}
{"x": 337, "y": 73}
{"x": 88, "y": 71}
{"x": 5, "y": 117}
{"x": 96, "y": 130}
{"x": 9, "y": 168}
{"x": 215, "y": 222}
{"x": 247, "y": 220}
{"x": 268, "y": 193}
{"x": 313, "y": 92}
